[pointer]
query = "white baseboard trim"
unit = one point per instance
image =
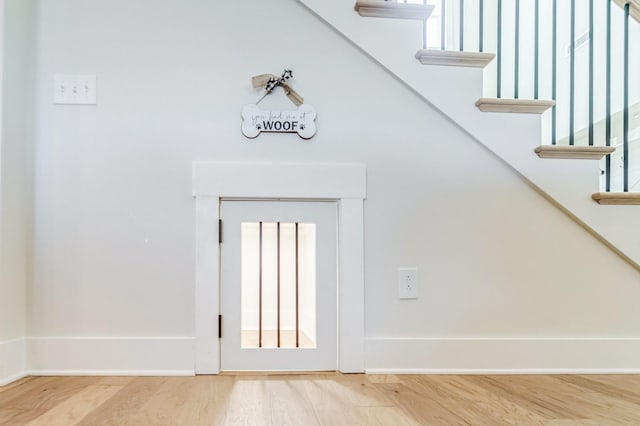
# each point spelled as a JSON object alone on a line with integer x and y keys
{"x": 174, "y": 356}
{"x": 497, "y": 372}
{"x": 140, "y": 373}
{"x": 10, "y": 379}
{"x": 13, "y": 360}
{"x": 111, "y": 356}
{"x": 503, "y": 356}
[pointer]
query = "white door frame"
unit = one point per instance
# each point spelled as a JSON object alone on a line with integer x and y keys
{"x": 343, "y": 183}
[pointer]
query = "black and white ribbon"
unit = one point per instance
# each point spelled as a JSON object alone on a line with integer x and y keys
{"x": 270, "y": 81}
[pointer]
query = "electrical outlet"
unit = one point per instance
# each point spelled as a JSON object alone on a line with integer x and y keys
{"x": 75, "y": 89}
{"x": 408, "y": 283}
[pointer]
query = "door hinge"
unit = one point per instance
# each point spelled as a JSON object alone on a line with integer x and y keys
{"x": 219, "y": 231}
{"x": 219, "y": 326}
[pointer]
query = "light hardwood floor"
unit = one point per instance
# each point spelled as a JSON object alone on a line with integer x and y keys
{"x": 325, "y": 399}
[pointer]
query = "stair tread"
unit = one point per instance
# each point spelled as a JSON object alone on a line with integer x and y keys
{"x": 388, "y": 9}
{"x": 573, "y": 151}
{"x": 527, "y": 106}
{"x": 454, "y": 58}
{"x": 617, "y": 198}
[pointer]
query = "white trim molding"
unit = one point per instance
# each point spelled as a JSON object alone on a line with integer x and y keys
{"x": 344, "y": 183}
{"x": 111, "y": 356}
{"x": 279, "y": 180}
{"x": 13, "y": 360}
{"x": 503, "y": 356}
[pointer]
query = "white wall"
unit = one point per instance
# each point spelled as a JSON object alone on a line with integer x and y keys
{"x": 114, "y": 232}
{"x": 16, "y": 180}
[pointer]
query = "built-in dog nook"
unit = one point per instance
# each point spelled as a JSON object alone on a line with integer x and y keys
{"x": 300, "y": 213}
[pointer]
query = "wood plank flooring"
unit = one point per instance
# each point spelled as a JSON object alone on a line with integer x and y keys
{"x": 322, "y": 399}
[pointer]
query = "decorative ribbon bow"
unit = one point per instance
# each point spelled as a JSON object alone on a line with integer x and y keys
{"x": 270, "y": 82}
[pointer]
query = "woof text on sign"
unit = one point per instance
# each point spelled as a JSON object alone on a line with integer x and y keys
{"x": 300, "y": 121}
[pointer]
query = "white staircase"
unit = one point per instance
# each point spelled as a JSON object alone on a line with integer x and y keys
{"x": 512, "y": 130}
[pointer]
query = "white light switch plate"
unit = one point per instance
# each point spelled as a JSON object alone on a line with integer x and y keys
{"x": 75, "y": 89}
{"x": 408, "y": 283}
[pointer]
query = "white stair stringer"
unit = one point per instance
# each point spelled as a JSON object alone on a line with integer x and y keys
{"x": 568, "y": 184}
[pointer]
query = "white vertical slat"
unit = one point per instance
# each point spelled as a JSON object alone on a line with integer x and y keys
{"x": 207, "y": 351}
{"x": 351, "y": 291}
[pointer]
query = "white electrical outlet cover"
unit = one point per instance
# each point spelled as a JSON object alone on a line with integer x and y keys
{"x": 408, "y": 283}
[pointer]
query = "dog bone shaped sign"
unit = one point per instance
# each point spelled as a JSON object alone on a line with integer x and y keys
{"x": 300, "y": 121}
